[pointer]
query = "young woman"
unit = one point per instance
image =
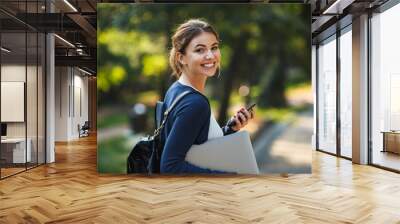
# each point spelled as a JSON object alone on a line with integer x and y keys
{"x": 194, "y": 57}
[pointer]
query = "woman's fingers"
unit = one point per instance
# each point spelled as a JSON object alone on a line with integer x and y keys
{"x": 238, "y": 125}
{"x": 243, "y": 118}
{"x": 246, "y": 113}
{"x": 238, "y": 121}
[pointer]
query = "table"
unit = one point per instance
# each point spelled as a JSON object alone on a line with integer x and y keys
{"x": 16, "y": 147}
{"x": 391, "y": 141}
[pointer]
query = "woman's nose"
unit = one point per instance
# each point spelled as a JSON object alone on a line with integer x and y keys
{"x": 209, "y": 54}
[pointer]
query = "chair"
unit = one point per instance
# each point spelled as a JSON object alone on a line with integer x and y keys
{"x": 84, "y": 130}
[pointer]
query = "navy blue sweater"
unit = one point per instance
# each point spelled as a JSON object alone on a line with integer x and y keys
{"x": 187, "y": 124}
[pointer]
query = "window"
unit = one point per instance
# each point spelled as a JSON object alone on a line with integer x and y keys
{"x": 385, "y": 88}
{"x": 22, "y": 76}
{"x": 327, "y": 95}
{"x": 346, "y": 92}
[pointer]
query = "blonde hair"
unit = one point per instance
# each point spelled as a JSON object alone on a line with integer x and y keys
{"x": 181, "y": 39}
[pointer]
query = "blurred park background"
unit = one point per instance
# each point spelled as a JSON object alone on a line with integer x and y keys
{"x": 266, "y": 59}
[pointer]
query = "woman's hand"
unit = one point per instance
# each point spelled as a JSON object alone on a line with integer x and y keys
{"x": 241, "y": 118}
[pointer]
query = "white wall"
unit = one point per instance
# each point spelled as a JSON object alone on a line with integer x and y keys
{"x": 71, "y": 94}
{"x": 12, "y": 101}
{"x": 12, "y": 73}
{"x": 62, "y": 81}
{"x": 33, "y": 125}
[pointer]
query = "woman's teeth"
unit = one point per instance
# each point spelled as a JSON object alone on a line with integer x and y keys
{"x": 209, "y": 65}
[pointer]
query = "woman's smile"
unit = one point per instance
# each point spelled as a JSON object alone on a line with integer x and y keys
{"x": 202, "y": 55}
{"x": 209, "y": 69}
{"x": 209, "y": 65}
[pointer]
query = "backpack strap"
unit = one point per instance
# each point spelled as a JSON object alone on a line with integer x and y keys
{"x": 158, "y": 115}
{"x": 177, "y": 99}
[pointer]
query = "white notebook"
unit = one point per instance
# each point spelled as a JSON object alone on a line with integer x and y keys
{"x": 232, "y": 153}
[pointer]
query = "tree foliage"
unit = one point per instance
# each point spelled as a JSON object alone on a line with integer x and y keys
{"x": 263, "y": 46}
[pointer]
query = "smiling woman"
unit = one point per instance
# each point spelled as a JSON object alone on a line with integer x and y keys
{"x": 195, "y": 56}
{"x": 225, "y": 56}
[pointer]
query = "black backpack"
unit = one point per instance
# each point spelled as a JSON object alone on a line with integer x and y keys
{"x": 145, "y": 156}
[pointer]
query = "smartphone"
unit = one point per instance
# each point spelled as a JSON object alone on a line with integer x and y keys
{"x": 232, "y": 123}
{"x": 250, "y": 108}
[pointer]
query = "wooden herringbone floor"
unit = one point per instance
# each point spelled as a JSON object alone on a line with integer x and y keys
{"x": 71, "y": 191}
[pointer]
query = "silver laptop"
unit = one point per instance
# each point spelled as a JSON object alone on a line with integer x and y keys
{"x": 232, "y": 153}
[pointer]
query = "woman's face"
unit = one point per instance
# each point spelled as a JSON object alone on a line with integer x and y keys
{"x": 202, "y": 55}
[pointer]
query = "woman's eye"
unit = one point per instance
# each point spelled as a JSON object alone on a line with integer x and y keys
{"x": 214, "y": 48}
{"x": 200, "y": 50}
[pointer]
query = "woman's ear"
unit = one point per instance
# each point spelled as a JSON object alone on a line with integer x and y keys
{"x": 181, "y": 58}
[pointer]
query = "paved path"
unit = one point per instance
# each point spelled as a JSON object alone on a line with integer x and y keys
{"x": 282, "y": 148}
{"x": 286, "y": 148}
